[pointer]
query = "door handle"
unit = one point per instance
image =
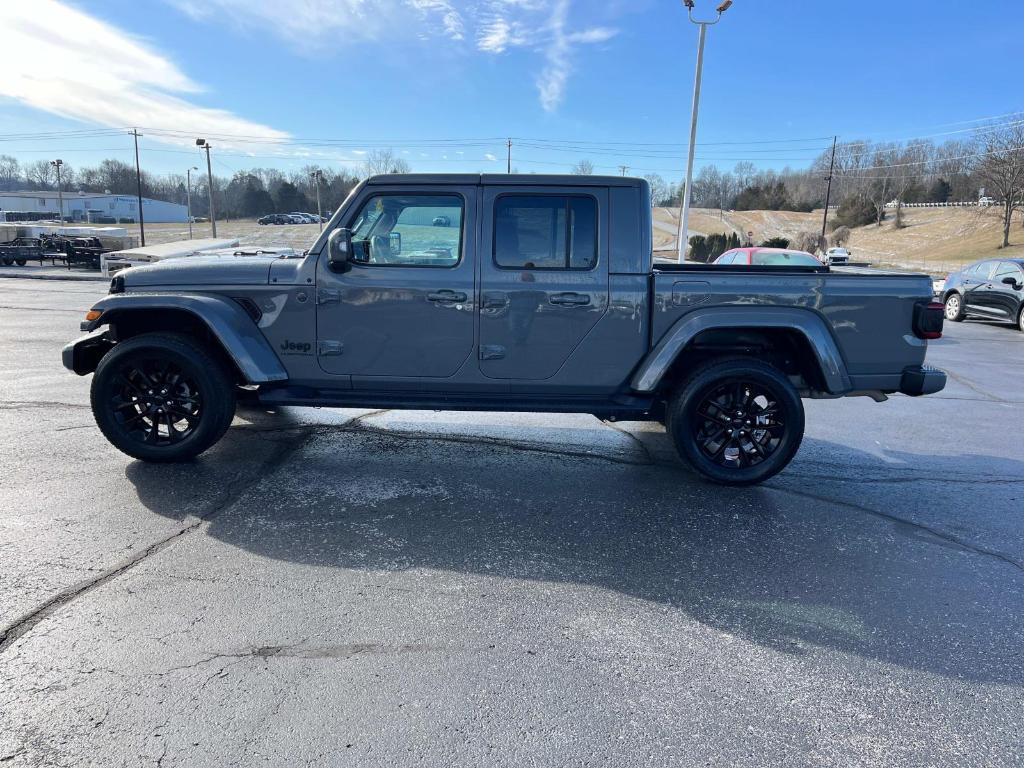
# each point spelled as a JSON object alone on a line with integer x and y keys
{"x": 494, "y": 300}
{"x": 569, "y": 299}
{"x": 446, "y": 296}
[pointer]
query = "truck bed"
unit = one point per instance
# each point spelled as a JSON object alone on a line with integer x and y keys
{"x": 868, "y": 312}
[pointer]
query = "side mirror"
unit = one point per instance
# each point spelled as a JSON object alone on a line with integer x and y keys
{"x": 339, "y": 249}
{"x": 1012, "y": 281}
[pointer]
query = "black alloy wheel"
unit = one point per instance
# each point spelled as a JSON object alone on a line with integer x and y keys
{"x": 739, "y": 424}
{"x": 736, "y": 421}
{"x": 162, "y": 397}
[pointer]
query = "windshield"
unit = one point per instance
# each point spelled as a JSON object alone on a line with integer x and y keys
{"x": 784, "y": 259}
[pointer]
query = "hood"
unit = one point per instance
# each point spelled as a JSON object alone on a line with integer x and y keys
{"x": 202, "y": 270}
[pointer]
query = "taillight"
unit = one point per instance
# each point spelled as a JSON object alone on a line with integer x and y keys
{"x": 928, "y": 319}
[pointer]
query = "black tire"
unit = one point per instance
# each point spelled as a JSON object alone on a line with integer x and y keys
{"x": 131, "y": 382}
{"x": 20, "y": 262}
{"x": 954, "y": 307}
{"x": 736, "y": 421}
{"x": 1020, "y": 319}
{"x": 7, "y": 261}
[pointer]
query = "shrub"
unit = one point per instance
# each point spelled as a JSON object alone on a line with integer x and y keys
{"x": 855, "y": 211}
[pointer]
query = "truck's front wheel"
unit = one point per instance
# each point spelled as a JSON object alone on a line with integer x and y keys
{"x": 162, "y": 397}
{"x": 737, "y": 421}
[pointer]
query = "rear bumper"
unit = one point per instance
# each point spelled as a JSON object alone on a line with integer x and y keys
{"x": 84, "y": 354}
{"x": 922, "y": 380}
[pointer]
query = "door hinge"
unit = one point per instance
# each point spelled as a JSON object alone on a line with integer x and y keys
{"x": 492, "y": 352}
{"x": 328, "y": 296}
{"x": 329, "y": 348}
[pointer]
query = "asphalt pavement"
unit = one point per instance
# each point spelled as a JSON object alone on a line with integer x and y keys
{"x": 396, "y": 588}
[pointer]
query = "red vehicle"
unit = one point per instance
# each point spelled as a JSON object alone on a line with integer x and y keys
{"x": 769, "y": 257}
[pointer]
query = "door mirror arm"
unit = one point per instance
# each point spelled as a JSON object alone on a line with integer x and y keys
{"x": 339, "y": 250}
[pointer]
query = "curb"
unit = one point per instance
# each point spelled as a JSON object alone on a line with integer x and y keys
{"x": 69, "y": 277}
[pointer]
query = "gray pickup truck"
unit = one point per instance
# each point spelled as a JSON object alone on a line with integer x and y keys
{"x": 540, "y": 295}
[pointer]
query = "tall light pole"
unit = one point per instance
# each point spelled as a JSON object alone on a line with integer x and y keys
{"x": 138, "y": 186}
{"x": 60, "y": 194}
{"x": 209, "y": 181}
{"x": 188, "y": 196}
{"x": 684, "y": 214}
{"x": 317, "y": 176}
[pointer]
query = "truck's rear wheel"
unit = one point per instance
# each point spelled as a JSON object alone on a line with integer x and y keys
{"x": 737, "y": 421}
{"x": 162, "y": 397}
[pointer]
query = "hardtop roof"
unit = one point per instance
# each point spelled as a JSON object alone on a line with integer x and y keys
{"x": 516, "y": 179}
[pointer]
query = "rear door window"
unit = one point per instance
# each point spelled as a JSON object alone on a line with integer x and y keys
{"x": 545, "y": 232}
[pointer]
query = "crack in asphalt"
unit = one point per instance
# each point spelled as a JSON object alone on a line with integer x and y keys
{"x": 974, "y": 387}
{"x": 43, "y": 309}
{"x": 15, "y": 405}
{"x": 922, "y": 527}
{"x": 232, "y": 493}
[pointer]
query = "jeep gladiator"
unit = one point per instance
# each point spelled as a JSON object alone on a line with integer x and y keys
{"x": 540, "y": 295}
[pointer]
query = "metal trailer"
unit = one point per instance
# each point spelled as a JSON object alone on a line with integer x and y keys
{"x": 24, "y": 249}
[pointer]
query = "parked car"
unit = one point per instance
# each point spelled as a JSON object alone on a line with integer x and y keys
{"x": 985, "y": 202}
{"x": 837, "y": 257}
{"x": 502, "y": 311}
{"x": 442, "y": 221}
{"x": 275, "y": 218}
{"x": 764, "y": 257}
{"x": 992, "y": 289}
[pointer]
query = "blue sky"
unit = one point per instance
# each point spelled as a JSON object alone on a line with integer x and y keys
{"x": 322, "y": 81}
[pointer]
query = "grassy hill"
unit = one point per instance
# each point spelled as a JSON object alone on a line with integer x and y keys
{"x": 934, "y": 239}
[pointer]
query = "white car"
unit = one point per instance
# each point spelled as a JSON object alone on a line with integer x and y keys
{"x": 985, "y": 202}
{"x": 837, "y": 256}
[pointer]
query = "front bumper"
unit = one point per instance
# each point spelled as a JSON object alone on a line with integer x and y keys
{"x": 922, "y": 380}
{"x": 84, "y": 354}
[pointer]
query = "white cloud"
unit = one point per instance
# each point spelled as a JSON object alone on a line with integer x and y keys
{"x": 319, "y": 24}
{"x": 490, "y": 158}
{"x": 493, "y": 26}
{"x": 543, "y": 26}
{"x": 60, "y": 60}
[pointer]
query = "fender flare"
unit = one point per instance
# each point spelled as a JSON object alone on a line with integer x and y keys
{"x": 804, "y": 321}
{"x": 226, "y": 320}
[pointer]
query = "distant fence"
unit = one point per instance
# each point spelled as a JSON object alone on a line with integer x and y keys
{"x": 973, "y": 204}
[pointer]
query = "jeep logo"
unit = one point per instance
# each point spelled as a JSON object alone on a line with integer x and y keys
{"x": 296, "y": 347}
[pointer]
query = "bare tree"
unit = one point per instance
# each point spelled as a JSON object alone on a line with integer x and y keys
{"x": 659, "y": 189}
{"x": 1002, "y": 169}
{"x": 806, "y": 240}
{"x": 381, "y": 161}
{"x": 40, "y": 173}
{"x": 583, "y": 168}
{"x": 911, "y": 164}
{"x": 10, "y": 172}
{"x": 840, "y": 235}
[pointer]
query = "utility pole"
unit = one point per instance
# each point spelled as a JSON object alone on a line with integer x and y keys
{"x": 188, "y": 196}
{"x": 60, "y": 194}
{"x": 209, "y": 182}
{"x": 828, "y": 190}
{"x": 316, "y": 176}
{"x": 508, "y": 167}
{"x": 684, "y": 214}
{"x": 138, "y": 188}
{"x": 623, "y": 169}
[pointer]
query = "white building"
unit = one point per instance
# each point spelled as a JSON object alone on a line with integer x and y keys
{"x": 89, "y": 206}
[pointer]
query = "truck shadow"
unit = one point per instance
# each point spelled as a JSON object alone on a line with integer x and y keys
{"x": 789, "y": 572}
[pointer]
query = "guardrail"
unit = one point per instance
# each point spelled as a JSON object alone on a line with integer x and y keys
{"x": 973, "y": 204}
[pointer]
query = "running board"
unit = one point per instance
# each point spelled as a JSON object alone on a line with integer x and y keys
{"x": 620, "y": 407}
